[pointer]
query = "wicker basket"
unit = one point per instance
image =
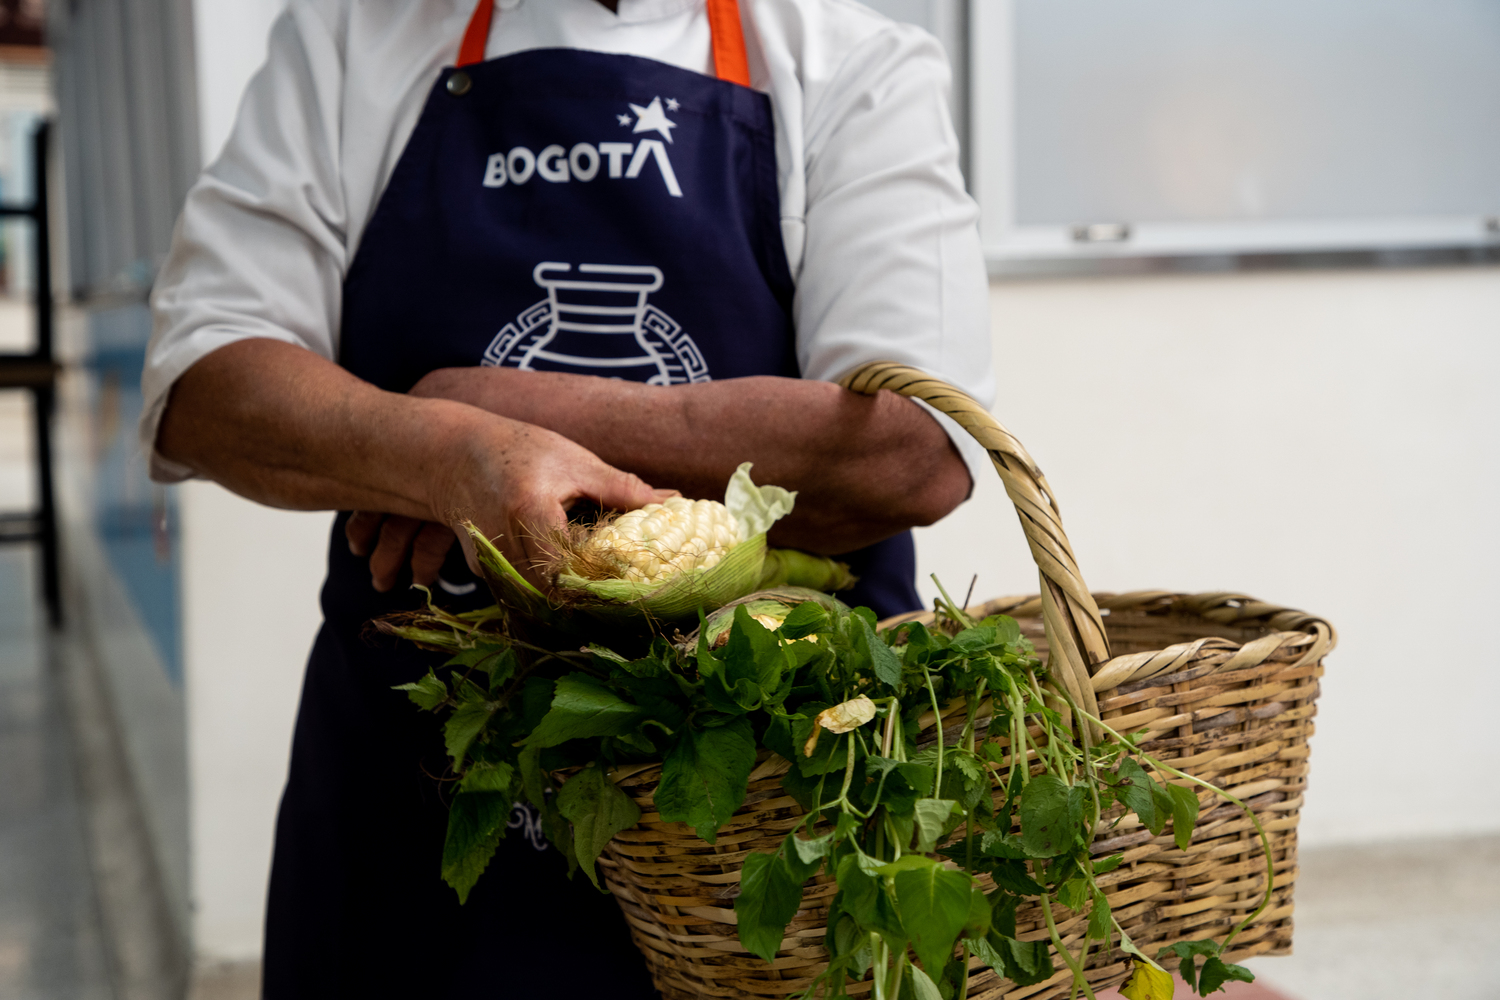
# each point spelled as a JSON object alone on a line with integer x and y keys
{"x": 1225, "y": 685}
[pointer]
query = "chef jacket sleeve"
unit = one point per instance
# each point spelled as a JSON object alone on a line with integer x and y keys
{"x": 892, "y": 268}
{"x": 259, "y": 250}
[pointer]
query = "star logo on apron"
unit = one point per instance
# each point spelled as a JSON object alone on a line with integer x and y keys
{"x": 652, "y": 118}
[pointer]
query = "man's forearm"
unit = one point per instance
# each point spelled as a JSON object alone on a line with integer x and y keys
{"x": 284, "y": 427}
{"x": 866, "y": 466}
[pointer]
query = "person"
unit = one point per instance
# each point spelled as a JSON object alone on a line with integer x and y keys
{"x": 494, "y": 261}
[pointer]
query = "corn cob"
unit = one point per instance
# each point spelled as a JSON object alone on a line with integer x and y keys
{"x": 661, "y": 540}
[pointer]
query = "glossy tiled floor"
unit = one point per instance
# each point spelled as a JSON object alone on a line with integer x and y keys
{"x": 51, "y": 943}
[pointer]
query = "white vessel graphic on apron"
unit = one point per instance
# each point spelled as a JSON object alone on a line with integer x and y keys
{"x": 597, "y": 321}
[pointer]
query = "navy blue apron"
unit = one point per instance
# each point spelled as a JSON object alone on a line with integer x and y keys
{"x": 557, "y": 210}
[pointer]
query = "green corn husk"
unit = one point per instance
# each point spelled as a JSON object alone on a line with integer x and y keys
{"x": 794, "y": 568}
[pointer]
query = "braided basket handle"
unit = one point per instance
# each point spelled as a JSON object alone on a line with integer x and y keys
{"x": 1075, "y": 631}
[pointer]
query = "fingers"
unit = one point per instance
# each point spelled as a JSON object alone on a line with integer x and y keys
{"x": 527, "y": 545}
{"x": 360, "y": 530}
{"x": 622, "y": 490}
{"x": 428, "y": 551}
{"x": 396, "y": 535}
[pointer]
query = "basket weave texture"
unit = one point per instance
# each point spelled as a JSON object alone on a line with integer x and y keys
{"x": 1223, "y": 685}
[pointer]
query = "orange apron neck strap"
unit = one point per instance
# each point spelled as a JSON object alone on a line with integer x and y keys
{"x": 477, "y": 34}
{"x": 730, "y": 62}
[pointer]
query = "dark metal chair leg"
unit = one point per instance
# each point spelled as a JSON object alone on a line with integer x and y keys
{"x": 43, "y": 397}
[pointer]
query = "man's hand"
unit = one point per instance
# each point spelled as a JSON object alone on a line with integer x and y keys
{"x": 389, "y": 538}
{"x": 539, "y": 474}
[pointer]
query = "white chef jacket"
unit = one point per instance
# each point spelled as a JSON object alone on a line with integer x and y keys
{"x": 881, "y": 237}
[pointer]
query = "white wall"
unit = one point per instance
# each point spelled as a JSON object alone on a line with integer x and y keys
{"x": 1323, "y": 440}
{"x": 230, "y": 37}
{"x": 250, "y": 579}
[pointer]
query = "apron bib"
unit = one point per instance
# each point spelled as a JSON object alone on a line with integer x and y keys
{"x": 554, "y": 210}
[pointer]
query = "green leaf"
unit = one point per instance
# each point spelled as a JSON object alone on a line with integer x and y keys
{"x": 934, "y": 903}
{"x": 864, "y": 898}
{"x": 974, "y": 640}
{"x": 1135, "y": 791}
{"x": 1074, "y": 893}
{"x": 805, "y": 857}
{"x": 932, "y": 822}
{"x": 923, "y": 985}
{"x": 704, "y": 776}
{"x": 609, "y": 656}
{"x": 463, "y": 726}
{"x": 1024, "y": 963}
{"x": 805, "y": 619}
{"x": 986, "y": 953}
{"x": 803, "y": 789}
{"x": 1109, "y": 864}
{"x": 883, "y": 660}
{"x": 476, "y": 822}
{"x": 1003, "y": 907}
{"x": 1051, "y": 817}
{"x": 1189, "y": 949}
{"x": 769, "y": 898}
{"x": 1216, "y": 973}
{"x": 1003, "y": 845}
{"x": 533, "y": 779}
{"x": 753, "y": 654}
{"x": 1189, "y": 973}
{"x": 427, "y": 692}
{"x": 581, "y": 708}
{"x": 1184, "y": 816}
{"x": 485, "y": 777}
{"x": 1100, "y": 924}
{"x": 908, "y": 863}
{"x": 598, "y": 810}
{"x": 1164, "y": 804}
{"x": 778, "y": 735}
{"x": 830, "y": 754}
{"x": 977, "y": 924}
{"x": 1007, "y": 630}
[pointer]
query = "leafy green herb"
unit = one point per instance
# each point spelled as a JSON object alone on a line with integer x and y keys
{"x": 704, "y": 777}
{"x": 598, "y": 810}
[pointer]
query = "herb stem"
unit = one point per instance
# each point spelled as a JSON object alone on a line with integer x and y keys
{"x": 1067, "y": 956}
{"x": 937, "y": 786}
{"x": 953, "y": 611}
{"x": 889, "y": 736}
{"x": 848, "y": 773}
{"x": 970, "y": 726}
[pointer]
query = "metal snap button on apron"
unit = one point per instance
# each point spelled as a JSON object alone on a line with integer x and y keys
{"x": 459, "y": 83}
